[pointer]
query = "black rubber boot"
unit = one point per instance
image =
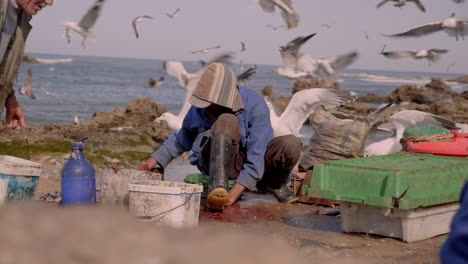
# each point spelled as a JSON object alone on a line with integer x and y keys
{"x": 284, "y": 194}
{"x": 220, "y": 155}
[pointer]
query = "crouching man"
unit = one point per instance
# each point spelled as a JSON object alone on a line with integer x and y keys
{"x": 229, "y": 132}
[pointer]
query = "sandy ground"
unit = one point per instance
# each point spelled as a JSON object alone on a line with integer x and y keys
{"x": 257, "y": 221}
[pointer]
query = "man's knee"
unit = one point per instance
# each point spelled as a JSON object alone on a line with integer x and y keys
{"x": 227, "y": 124}
{"x": 284, "y": 150}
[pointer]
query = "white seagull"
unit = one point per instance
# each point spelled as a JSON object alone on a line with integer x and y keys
{"x": 290, "y": 16}
{"x": 400, "y": 3}
{"x": 432, "y": 55}
{"x": 85, "y": 24}
{"x": 177, "y": 69}
{"x": 205, "y": 50}
{"x": 385, "y": 139}
{"x": 27, "y": 89}
{"x": 276, "y": 27}
{"x": 136, "y": 21}
{"x": 291, "y": 58}
{"x": 453, "y": 27}
{"x": 76, "y": 121}
{"x": 174, "y": 14}
{"x": 340, "y": 62}
{"x": 302, "y": 105}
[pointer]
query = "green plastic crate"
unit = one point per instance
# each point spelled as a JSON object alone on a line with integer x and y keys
{"x": 404, "y": 180}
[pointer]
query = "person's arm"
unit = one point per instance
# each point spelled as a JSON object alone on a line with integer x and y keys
{"x": 259, "y": 133}
{"x": 14, "y": 113}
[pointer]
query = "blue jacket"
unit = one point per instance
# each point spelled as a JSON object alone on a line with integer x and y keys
{"x": 256, "y": 132}
{"x": 455, "y": 249}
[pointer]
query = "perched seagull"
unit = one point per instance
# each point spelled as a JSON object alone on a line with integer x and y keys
{"x": 153, "y": 83}
{"x": 432, "y": 55}
{"x": 277, "y": 27}
{"x": 173, "y": 15}
{"x": 453, "y": 26}
{"x": 27, "y": 89}
{"x": 290, "y": 16}
{"x": 205, "y": 50}
{"x": 385, "y": 139}
{"x": 85, "y": 24}
{"x": 340, "y": 62}
{"x": 243, "y": 77}
{"x": 291, "y": 56}
{"x": 302, "y": 105}
{"x": 136, "y": 21}
{"x": 242, "y": 47}
{"x": 400, "y": 3}
{"x": 49, "y": 93}
{"x": 76, "y": 121}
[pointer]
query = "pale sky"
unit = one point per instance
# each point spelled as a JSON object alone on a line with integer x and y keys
{"x": 206, "y": 23}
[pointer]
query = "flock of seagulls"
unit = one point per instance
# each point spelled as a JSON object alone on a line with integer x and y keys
{"x": 382, "y": 140}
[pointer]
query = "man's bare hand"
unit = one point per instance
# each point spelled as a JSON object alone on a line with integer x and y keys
{"x": 14, "y": 114}
{"x": 147, "y": 165}
{"x": 235, "y": 193}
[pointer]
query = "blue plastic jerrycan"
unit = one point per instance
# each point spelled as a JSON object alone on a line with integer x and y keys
{"x": 78, "y": 180}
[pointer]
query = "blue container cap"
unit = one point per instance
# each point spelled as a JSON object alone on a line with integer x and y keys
{"x": 80, "y": 144}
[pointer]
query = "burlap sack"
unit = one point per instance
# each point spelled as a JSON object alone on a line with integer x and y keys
{"x": 334, "y": 138}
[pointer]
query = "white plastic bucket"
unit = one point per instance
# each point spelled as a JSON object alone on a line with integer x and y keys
{"x": 22, "y": 177}
{"x": 173, "y": 203}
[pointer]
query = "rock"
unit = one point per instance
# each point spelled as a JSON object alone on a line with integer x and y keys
{"x": 268, "y": 91}
{"x": 309, "y": 82}
{"x": 462, "y": 79}
{"x": 372, "y": 98}
{"x": 435, "y": 91}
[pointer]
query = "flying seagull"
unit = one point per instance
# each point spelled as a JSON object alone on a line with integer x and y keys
{"x": 432, "y": 55}
{"x": 242, "y": 46}
{"x": 400, "y": 3}
{"x": 340, "y": 62}
{"x": 27, "y": 89}
{"x": 277, "y": 27}
{"x": 136, "y": 21}
{"x": 153, "y": 83}
{"x": 291, "y": 56}
{"x": 86, "y": 23}
{"x": 205, "y": 50}
{"x": 173, "y": 15}
{"x": 452, "y": 25}
{"x": 290, "y": 16}
{"x": 396, "y": 126}
{"x": 302, "y": 105}
{"x": 244, "y": 76}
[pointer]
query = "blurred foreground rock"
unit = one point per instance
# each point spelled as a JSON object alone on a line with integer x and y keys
{"x": 34, "y": 233}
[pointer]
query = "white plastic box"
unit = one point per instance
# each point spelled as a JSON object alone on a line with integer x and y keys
{"x": 408, "y": 225}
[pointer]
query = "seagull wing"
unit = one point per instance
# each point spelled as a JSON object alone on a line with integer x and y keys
{"x": 458, "y": 1}
{"x": 414, "y": 117}
{"x": 439, "y": 51}
{"x": 290, "y": 53}
{"x": 420, "y": 30}
{"x": 382, "y": 3}
{"x": 175, "y": 12}
{"x": 177, "y": 69}
{"x": 290, "y": 16}
{"x": 89, "y": 19}
{"x": 242, "y": 46}
{"x": 275, "y": 112}
{"x": 343, "y": 61}
{"x": 419, "y": 5}
{"x": 401, "y": 54}
{"x": 137, "y": 20}
{"x": 247, "y": 74}
{"x": 303, "y": 104}
{"x": 267, "y": 5}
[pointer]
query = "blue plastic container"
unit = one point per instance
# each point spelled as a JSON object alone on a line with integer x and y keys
{"x": 78, "y": 180}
